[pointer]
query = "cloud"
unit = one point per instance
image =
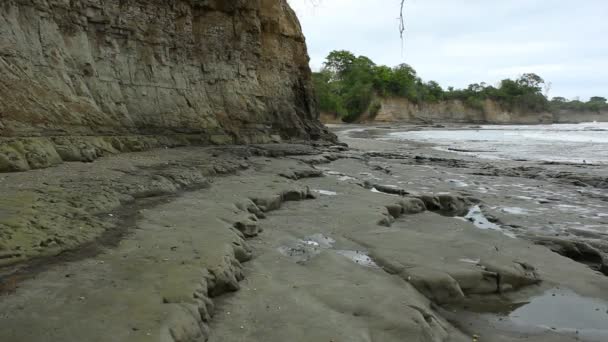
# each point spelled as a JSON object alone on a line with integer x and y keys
{"x": 458, "y": 42}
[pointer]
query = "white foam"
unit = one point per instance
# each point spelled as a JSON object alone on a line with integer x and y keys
{"x": 514, "y": 210}
{"x": 584, "y": 143}
{"x": 325, "y": 192}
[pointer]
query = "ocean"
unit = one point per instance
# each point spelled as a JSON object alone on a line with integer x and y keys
{"x": 577, "y": 143}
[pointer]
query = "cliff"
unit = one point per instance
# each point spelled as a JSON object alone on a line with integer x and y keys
{"x": 402, "y": 110}
{"x": 84, "y": 78}
{"x": 397, "y": 109}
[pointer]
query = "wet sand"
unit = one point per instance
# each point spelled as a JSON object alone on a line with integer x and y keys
{"x": 385, "y": 241}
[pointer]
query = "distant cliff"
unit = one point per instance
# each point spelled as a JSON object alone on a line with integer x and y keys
{"x": 88, "y": 77}
{"x": 455, "y": 111}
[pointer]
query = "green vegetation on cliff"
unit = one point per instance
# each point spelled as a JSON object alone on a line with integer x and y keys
{"x": 595, "y": 104}
{"x": 349, "y": 86}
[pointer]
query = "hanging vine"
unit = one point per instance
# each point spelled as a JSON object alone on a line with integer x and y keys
{"x": 401, "y": 20}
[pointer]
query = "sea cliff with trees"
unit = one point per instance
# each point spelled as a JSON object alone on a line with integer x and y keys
{"x": 353, "y": 88}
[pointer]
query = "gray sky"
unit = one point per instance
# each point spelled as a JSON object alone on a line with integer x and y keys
{"x": 458, "y": 42}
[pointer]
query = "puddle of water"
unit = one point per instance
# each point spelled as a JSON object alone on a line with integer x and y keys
{"x": 325, "y": 192}
{"x": 457, "y": 183}
{"x": 595, "y": 230}
{"x": 470, "y": 261}
{"x": 565, "y": 311}
{"x": 573, "y": 208}
{"x": 359, "y": 258}
{"x": 346, "y": 178}
{"x": 369, "y": 175}
{"x": 480, "y": 221}
{"x": 320, "y": 240}
{"x": 307, "y": 248}
{"x": 299, "y": 252}
{"x": 514, "y": 210}
{"x": 341, "y": 177}
{"x": 384, "y": 193}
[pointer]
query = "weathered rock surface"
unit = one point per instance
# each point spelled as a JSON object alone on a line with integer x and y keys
{"x": 355, "y": 264}
{"x": 456, "y": 111}
{"x": 86, "y": 78}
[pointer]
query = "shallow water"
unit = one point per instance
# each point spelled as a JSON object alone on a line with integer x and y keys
{"x": 358, "y": 257}
{"x": 309, "y": 247}
{"x": 476, "y": 216}
{"x": 564, "y": 310}
{"x": 587, "y": 142}
{"x": 325, "y": 192}
{"x": 514, "y": 210}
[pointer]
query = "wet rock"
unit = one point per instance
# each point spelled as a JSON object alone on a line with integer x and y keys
{"x": 453, "y": 205}
{"x": 435, "y": 285}
{"x": 294, "y": 195}
{"x": 11, "y": 160}
{"x": 476, "y": 281}
{"x": 431, "y": 202}
{"x": 395, "y": 210}
{"x": 512, "y": 276}
{"x": 183, "y": 324}
{"x": 412, "y": 205}
{"x": 269, "y": 203}
{"x": 387, "y": 219}
{"x": 250, "y": 207}
{"x": 300, "y": 174}
{"x": 389, "y": 189}
{"x": 249, "y": 228}
{"x": 576, "y": 250}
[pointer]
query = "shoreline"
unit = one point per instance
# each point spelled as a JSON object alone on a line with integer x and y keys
{"x": 380, "y": 244}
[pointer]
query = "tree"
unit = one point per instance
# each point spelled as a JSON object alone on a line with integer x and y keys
{"x": 598, "y": 99}
{"x": 559, "y": 99}
{"x": 339, "y": 62}
{"x": 435, "y": 92}
{"x": 348, "y": 86}
{"x": 531, "y": 81}
{"x": 402, "y": 82}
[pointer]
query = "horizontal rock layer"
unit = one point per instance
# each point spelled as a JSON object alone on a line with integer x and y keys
{"x": 455, "y": 111}
{"x": 230, "y": 71}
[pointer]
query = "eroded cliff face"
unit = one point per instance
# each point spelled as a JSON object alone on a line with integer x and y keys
{"x": 89, "y": 77}
{"x": 403, "y": 111}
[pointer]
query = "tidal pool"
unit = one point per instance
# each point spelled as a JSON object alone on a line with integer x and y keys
{"x": 565, "y": 311}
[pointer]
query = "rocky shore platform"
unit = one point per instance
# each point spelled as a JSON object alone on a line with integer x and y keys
{"x": 377, "y": 241}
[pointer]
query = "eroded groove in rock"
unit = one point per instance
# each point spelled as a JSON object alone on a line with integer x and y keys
{"x": 577, "y": 250}
{"x": 190, "y": 315}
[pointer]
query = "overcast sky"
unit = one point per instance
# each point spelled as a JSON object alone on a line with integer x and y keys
{"x": 458, "y": 42}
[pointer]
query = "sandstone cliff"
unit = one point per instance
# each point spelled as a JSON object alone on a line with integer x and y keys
{"x": 83, "y": 78}
{"x": 402, "y": 110}
{"x": 396, "y": 109}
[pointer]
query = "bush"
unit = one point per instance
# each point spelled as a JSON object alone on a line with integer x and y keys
{"x": 374, "y": 109}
